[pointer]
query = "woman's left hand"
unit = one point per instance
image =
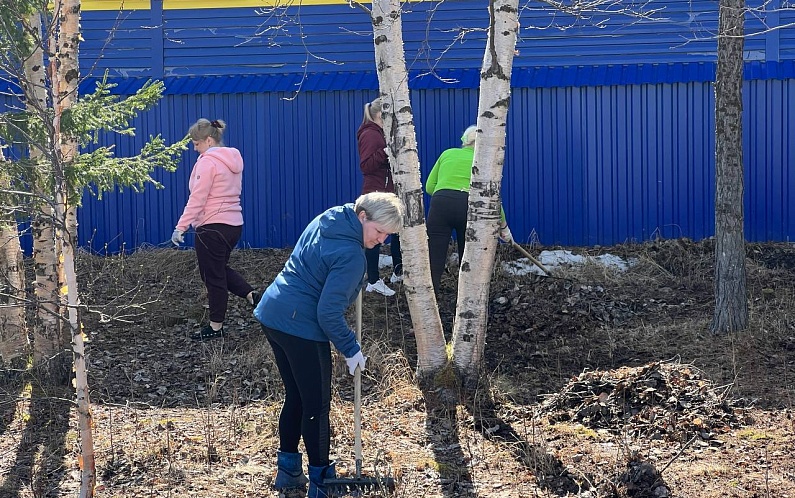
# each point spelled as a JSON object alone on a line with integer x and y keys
{"x": 178, "y": 237}
{"x": 357, "y": 360}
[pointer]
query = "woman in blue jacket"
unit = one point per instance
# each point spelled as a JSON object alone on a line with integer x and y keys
{"x": 303, "y": 311}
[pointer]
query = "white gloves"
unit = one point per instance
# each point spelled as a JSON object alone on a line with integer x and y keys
{"x": 178, "y": 237}
{"x": 356, "y": 361}
{"x": 505, "y": 235}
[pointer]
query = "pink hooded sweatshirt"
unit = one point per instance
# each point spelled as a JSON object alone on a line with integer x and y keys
{"x": 215, "y": 185}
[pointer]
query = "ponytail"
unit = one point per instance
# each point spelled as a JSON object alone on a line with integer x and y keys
{"x": 370, "y": 110}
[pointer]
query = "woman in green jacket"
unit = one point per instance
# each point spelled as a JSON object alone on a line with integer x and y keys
{"x": 448, "y": 186}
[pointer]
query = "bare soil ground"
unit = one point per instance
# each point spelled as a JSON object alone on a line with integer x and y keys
{"x": 597, "y": 384}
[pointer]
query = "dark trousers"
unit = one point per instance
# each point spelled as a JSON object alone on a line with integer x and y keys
{"x": 214, "y": 244}
{"x": 305, "y": 368}
{"x": 448, "y": 212}
{"x": 372, "y": 259}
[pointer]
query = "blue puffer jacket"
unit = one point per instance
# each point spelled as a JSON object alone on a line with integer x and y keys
{"x": 319, "y": 282}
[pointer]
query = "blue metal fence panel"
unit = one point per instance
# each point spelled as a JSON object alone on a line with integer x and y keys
{"x": 168, "y": 42}
{"x": 298, "y": 155}
{"x": 610, "y": 134}
{"x": 786, "y": 17}
{"x": 770, "y": 210}
{"x": 119, "y": 43}
{"x": 534, "y": 77}
{"x": 584, "y": 165}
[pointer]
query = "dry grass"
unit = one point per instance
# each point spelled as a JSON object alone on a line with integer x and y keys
{"x": 213, "y": 431}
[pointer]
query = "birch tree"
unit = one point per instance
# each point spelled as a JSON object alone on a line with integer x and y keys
{"x": 405, "y": 164}
{"x": 731, "y": 302}
{"x": 50, "y": 342}
{"x": 13, "y": 330}
{"x": 483, "y": 216}
{"x": 21, "y": 59}
{"x": 65, "y": 75}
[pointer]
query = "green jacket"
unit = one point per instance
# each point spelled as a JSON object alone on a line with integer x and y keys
{"x": 453, "y": 171}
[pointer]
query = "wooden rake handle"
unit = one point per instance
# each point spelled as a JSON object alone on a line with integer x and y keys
{"x": 529, "y": 256}
{"x": 357, "y": 393}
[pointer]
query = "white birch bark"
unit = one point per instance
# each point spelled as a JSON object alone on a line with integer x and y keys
{"x": 66, "y": 80}
{"x": 69, "y": 74}
{"x": 483, "y": 217}
{"x": 404, "y": 160}
{"x": 13, "y": 332}
{"x": 47, "y": 342}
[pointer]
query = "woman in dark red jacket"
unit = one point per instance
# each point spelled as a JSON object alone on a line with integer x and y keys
{"x": 377, "y": 178}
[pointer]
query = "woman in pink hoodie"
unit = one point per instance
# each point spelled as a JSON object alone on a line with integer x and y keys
{"x": 214, "y": 211}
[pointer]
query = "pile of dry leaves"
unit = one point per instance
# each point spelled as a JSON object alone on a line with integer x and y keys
{"x": 660, "y": 400}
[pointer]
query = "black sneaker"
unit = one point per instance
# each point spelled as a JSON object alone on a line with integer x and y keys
{"x": 207, "y": 333}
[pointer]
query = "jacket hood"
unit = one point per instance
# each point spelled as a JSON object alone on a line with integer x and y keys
{"x": 370, "y": 125}
{"x": 341, "y": 222}
{"x": 228, "y": 156}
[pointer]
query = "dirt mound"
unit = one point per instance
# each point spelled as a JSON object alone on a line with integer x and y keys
{"x": 775, "y": 256}
{"x": 661, "y": 400}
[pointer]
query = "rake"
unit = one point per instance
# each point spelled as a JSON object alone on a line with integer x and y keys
{"x": 530, "y": 257}
{"x": 358, "y": 484}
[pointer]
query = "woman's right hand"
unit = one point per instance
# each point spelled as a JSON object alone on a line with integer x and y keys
{"x": 506, "y": 235}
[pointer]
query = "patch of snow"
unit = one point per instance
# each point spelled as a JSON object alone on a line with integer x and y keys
{"x": 559, "y": 257}
{"x": 521, "y": 266}
{"x": 615, "y": 262}
{"x": 384, "y": 261}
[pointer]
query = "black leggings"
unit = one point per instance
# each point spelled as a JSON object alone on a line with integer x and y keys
{"x": 305, "y": 368}
{"x": 373, "y": 254}
{"x": 448, "y": 212}
{"x": 214, "y": 244}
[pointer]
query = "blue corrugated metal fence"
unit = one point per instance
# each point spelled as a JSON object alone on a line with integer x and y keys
{"x": 584, "y": 165}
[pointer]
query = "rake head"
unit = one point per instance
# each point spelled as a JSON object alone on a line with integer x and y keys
{"x": 358, "y": 485}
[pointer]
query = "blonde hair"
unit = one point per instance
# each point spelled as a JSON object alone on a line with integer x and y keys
{"x": 370, "y": 110}
{"x": 468, "y": 138}
{"x": 383, "y": 208}
{"x": 204, "y": 128}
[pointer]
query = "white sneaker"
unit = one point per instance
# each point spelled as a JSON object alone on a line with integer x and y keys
{"x": 381, "y": 288}
{"x": 395, "y": 278}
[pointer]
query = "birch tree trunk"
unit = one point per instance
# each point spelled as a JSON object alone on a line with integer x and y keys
{"x": 405, "y": 164}
{"x": 483, "y": 216}
{"x": 66, "y": 80}
{"x": 13, "y": 332}
{"x": 731, "y": 303}
{"x": 47, "y": 339}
